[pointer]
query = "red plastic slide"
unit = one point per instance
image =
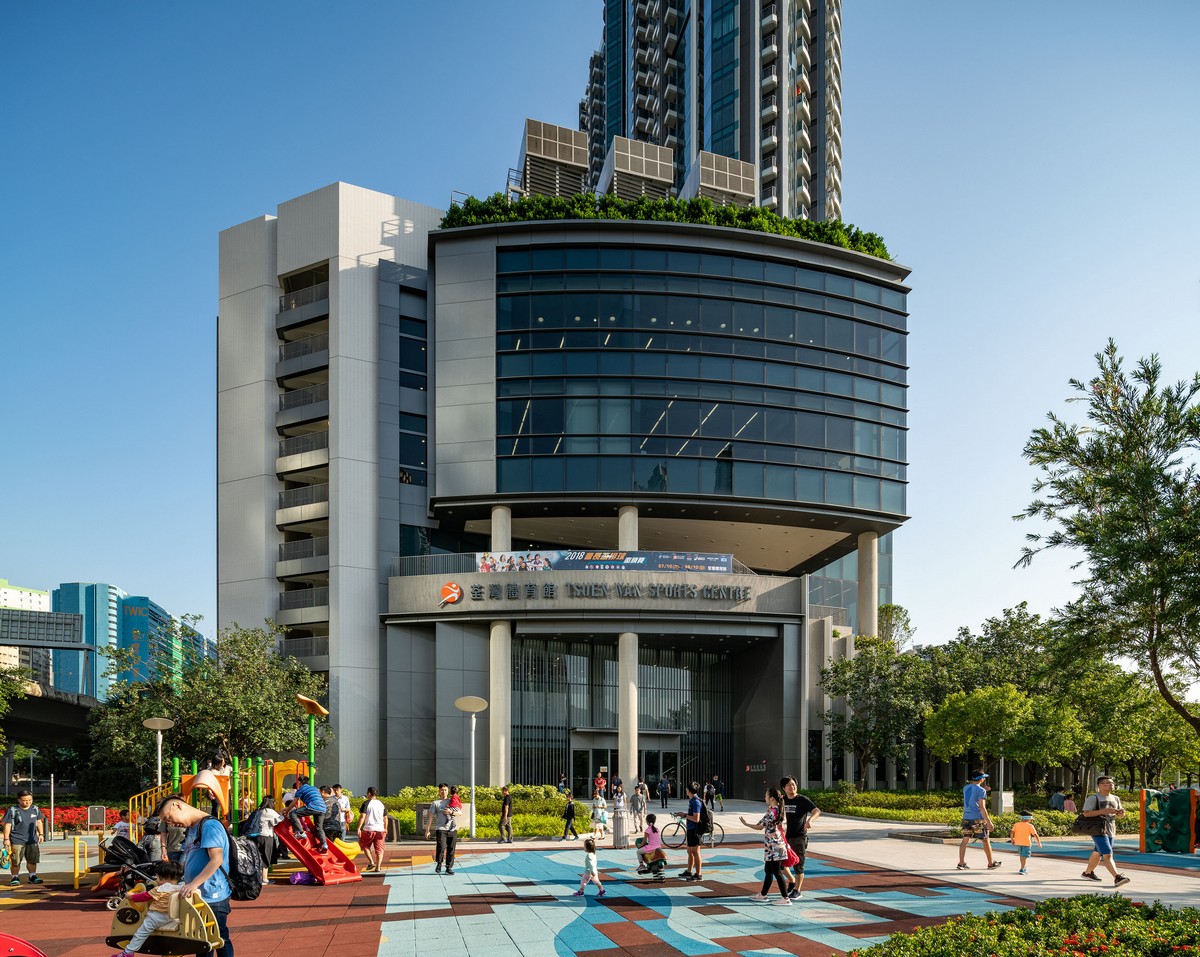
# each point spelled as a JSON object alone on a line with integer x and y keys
{"x": 18, "y": 947}
{"x": 330, "y": 867}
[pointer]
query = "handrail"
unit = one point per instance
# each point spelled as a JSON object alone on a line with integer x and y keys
{"x": 303, "y": 297}
{"x": 306, "y": 495}
{"x": 305, "y": 396}
{"x": 308, "y": 442}
{"x": 305, "y": 548}
{"x": 304, "y": 347}
{"x": 304, "y": 598}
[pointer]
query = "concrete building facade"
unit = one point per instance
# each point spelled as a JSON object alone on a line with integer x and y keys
{"x": 36, "y": 660}
{"x": 400, "y": 407}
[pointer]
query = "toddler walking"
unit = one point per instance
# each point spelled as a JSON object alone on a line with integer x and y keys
{"x": 170, "y": 877}
{"x": 591, "y": 874}
{"x": 1023, "y": 835}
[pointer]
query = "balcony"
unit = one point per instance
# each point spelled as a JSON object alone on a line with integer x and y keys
{"x": 670, "y": 42}
{"x": 833, "y": 45}
{"x": 803, "y": 165}
{"x": 803, "y": 26}
{"x": 770, "y": 138}
{"x": 303, "y": 606}
{"x": 646, "y": 101}
{"x": 833, "y": 131}
{"x": 670, "y": 15}
{"x": 803, "y": 193}
{"x": 770, "y": 78}
{"x": 803, "y": 54}
{"x": 803, "y": 140}
{"x": 307, "y": 557}
{"x": 770, "y": 198}
{"x": 644, "y": 78}
{"x": 770, "y": 49}
{"x": 671, "y": 141}
{"x": 297, "y": 506}
{"x": 770, "y": 168}
{"x": 770, "y": 17}
{"x": 671, "y": 92}
{"x": 803, "y": 109}
{"x": 647, "y": 31}
{"x": 835, "y": 107}
{"x": 303, "y": 306}
{"x": 770, "y": 108}
{"x": 834, "y": 13}
{"x": 303, "y": 405}
{"x": 672, "y": 119}
{"x": 312, "y": 652}
{"x": 302, "y": 453}
{"x": 646, "y": 9}
{"x": 644, "y": 123}
{"x": 303, "y": 355}
{"x": 646, "y": 53}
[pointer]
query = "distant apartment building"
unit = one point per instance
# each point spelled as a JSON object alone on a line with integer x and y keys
{"x": 25, "y": 599}
{"x": 112, "y": 620}
{"x": 750, "y": 81}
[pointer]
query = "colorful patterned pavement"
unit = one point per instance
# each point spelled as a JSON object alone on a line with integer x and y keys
{"x": 518, "y": 904}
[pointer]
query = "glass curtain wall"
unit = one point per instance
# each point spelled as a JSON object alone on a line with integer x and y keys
{"x": 560, "y": 684}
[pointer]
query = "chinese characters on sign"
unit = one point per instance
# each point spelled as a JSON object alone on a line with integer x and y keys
{"x": 532, "y": 591}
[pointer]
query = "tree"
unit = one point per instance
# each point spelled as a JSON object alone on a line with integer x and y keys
{"x": 1124, "y": 491}
{"x": 241, "y": 701}
{"x": 895, "y": 625}
{"x": 881, "y": 694}
{"x": 13, "y": 687}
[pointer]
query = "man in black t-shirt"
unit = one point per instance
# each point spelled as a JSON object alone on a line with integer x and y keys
{"x": 801, "y": 812}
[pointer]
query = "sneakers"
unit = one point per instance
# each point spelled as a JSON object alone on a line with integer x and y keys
{"x": 992, "y": 866}
{"x": 34, "y": 879}
{"x": 785, "y": 901}
{"x": 685, "y": 876}
{"x": 1022, "y": 871}
{"x": 693, "y": 877}
{"x": 761, "y": 898}
{"x": 1120, "y": 880}
{"x": 14, "y": 882}
{"x": 298, "y": 835}
{"x": 438, "y": 869}
{"x": 323, "y": 848}
{"x": 794, "y": 894}
{"x": 449, "y": 872}
{"x": 964, "y": 867}
{"x": 643, "y": 869}
{"x": 1090, "y": 876}
{"x": 577, "y": 894}
{"x": 602, "y": 892}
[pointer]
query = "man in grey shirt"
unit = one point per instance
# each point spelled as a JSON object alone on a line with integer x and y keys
{"x": 444, "y": 818}
{"x": 1107, "y": 805}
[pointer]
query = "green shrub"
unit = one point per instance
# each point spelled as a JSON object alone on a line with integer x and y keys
{"x": 488, "y": 825}
{"x": 1093, "y": 924}
{"x": 497, "y": 208}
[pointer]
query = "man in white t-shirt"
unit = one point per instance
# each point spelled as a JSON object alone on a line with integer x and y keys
{"x": 343, "y": 804}
{"x": 371, "y": 830}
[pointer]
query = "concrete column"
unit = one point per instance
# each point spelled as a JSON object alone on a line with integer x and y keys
{"x": 627, "y": 530}
{"x": 501, "y": 528}
{"x": 868, "y": 583}
{"x": 499, "y": 713}
{"x": 627, "y": 705}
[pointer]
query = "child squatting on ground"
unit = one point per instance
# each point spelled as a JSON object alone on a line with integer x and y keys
{"x": 1023, "y": 835}
{"x": 170, "y": 877}
{"x": 591, "y": 874}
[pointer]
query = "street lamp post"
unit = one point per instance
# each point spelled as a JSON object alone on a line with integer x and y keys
{"x": 158, "y": 726}
{"x": 32, "y": 752}
{"x": 471, "y": 704}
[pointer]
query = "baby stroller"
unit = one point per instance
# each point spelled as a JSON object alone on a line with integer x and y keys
{"x": 132, "y": 866}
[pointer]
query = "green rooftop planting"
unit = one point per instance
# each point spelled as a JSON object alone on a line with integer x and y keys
{"x": 498, "y": 208}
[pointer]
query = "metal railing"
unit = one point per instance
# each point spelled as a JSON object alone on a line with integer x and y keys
{"x": 304, "y": 347}
{"x": 305, "y": 548}
{"x": 304, "y": 598}
{"x": 306, "y": 396}
{"x": 306, "y": 647}
{"x": 308, "y": 442}
{"x": 308, "y": 495}
{"x": 302, "y": 297}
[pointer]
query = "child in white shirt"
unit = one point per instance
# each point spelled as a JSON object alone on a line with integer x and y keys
{"x": 591, "y": 874}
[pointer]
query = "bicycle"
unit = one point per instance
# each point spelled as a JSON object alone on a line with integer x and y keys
{"x": 675, "y": 833}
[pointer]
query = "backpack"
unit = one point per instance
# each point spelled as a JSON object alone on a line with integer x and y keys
{"x": 704, "y": 825}
{"x": 252, "y": 826}
{"x": 245, "y": 867}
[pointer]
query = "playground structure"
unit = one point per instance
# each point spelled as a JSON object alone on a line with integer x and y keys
{"x": 1169, "y": 821}
{"x": 196, "y": 934}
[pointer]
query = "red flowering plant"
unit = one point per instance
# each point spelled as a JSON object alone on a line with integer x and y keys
{"x": 76, "y": 818}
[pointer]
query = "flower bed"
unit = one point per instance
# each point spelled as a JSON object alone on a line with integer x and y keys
{"x": 1087, "y": 926}
{"x": 75, "y": 818}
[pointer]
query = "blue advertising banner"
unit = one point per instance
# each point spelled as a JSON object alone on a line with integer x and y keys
{"x": 604, "y": 561}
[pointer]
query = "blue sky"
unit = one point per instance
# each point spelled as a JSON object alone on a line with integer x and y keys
{"x": 1035, "y": 165}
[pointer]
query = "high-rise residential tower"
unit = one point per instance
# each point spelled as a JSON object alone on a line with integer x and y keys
{"x": 755, "y": 81}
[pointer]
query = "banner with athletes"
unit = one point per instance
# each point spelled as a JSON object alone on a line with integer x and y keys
{"x": 603, "y": 561}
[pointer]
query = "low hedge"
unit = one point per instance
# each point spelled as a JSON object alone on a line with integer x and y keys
{"x": 1089, "y": 925}
{"x": 488, "y": 825}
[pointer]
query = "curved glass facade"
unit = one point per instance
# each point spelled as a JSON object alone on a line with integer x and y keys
{"x": 660, "y": 370}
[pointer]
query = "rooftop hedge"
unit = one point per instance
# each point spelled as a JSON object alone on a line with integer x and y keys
{"x": 498, "y": 208}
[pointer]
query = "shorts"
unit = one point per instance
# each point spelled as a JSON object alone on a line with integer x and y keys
{"x": 1104, "y": 844}
{"x": 693, "y": 837}
{"x": 800, "y": 846}
{"x": 369, "y": 839}
{"x": 975, "y": 827}
{"x": 1025, "y": 851}
{"x": 29, "y": 853}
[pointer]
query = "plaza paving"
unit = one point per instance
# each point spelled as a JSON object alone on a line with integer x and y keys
{"x": 503, "y": 901}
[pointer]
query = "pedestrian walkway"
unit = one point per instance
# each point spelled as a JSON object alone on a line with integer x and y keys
{"x": 515, "y": 901}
